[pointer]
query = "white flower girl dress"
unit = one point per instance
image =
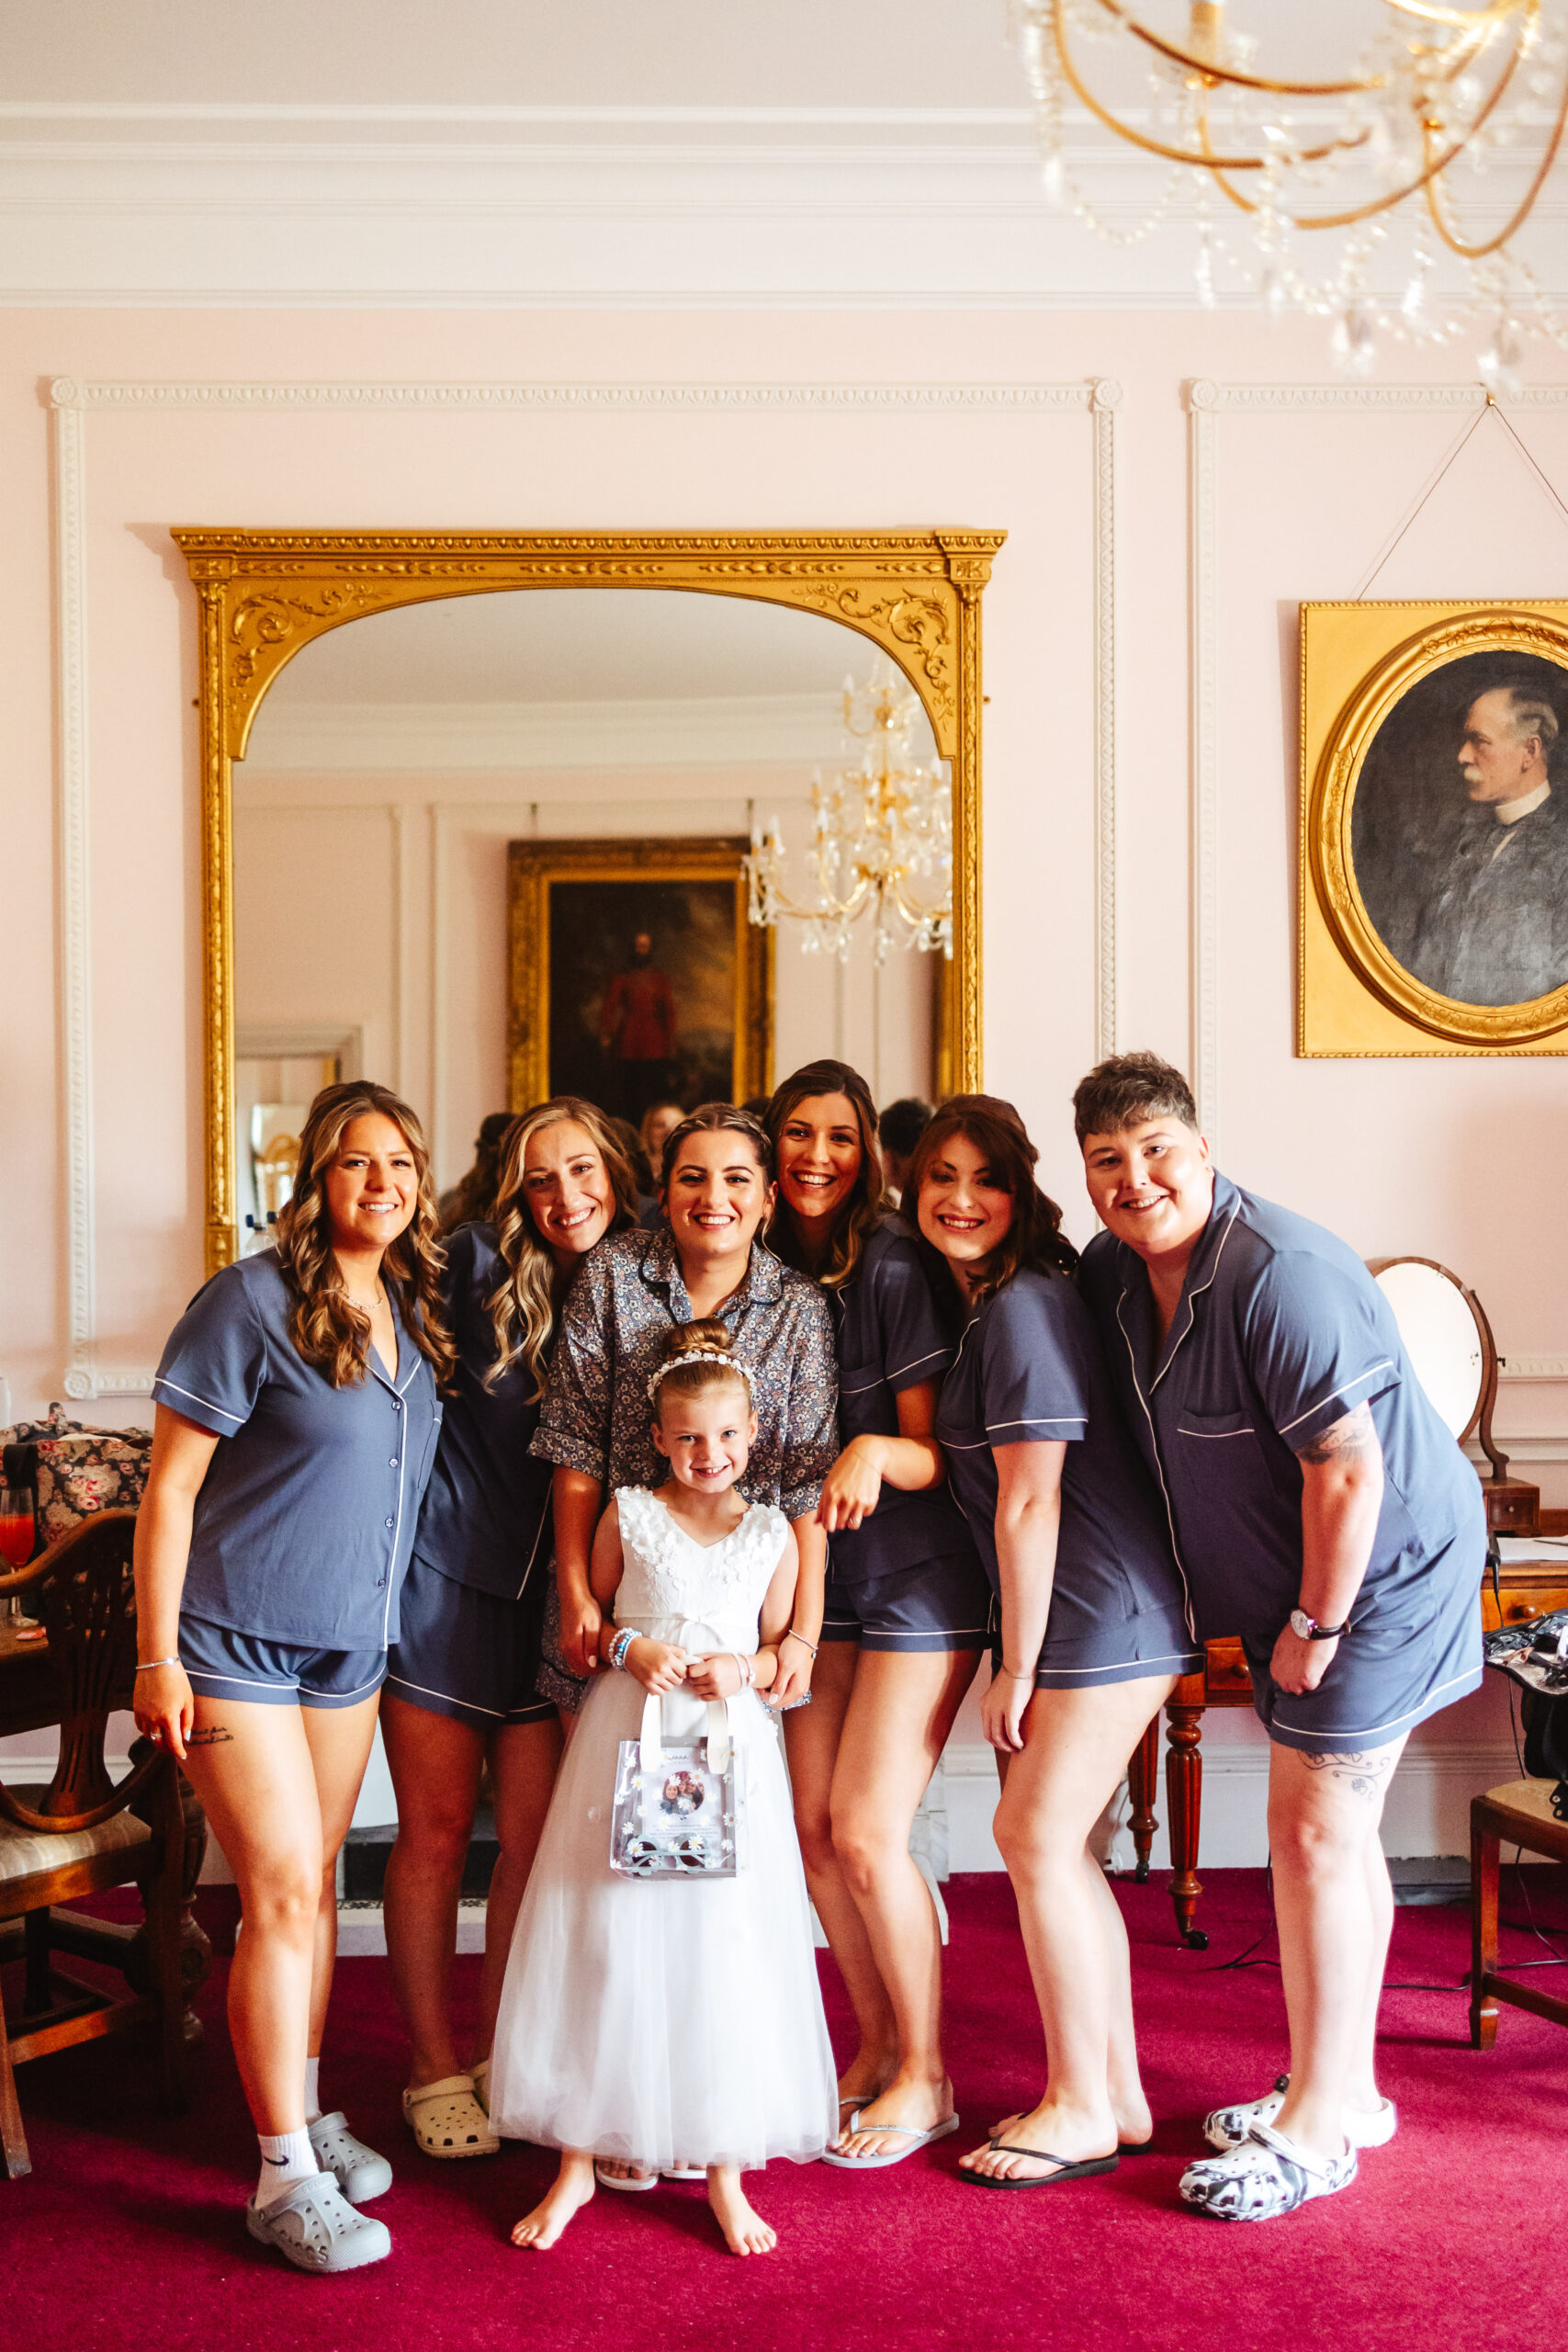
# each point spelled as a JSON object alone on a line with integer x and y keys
{"x": 669, "y": 2021}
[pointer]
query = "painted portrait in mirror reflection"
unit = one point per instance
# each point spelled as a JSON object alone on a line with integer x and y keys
{"x": 1459, "y": 830}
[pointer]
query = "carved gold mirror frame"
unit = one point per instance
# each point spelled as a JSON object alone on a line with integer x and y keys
{"x": 264, "y": 595}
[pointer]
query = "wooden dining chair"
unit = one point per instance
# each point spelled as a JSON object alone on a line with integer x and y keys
{"x": 81, "y": 1833}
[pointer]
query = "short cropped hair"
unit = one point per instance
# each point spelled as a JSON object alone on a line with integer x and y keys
{"x": 904, "y": 1122}
{"x": 1126, "y": 1091}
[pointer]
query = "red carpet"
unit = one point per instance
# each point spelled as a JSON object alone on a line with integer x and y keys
{"x": 129, "y": 2233}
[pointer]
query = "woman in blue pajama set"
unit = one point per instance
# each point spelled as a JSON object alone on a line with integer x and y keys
{"x": 1095, "y": 1625}
{"x": 1322, "y": 1512}
{"x": 462, "y": 1682}
{"x": 907, "y": 1610}
{"x": 297, "y": 1421}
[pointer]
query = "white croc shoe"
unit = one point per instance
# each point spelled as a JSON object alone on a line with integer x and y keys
{"x": 448, "y": 2121}
{"x": 1228, "y": 2127}
{"x": 314, "y": 2227}
{"x": 1267, "y": 2176}
{"x": 358, "y": 2171}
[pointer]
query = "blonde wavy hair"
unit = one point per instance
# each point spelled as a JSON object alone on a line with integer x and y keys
{"x": 523, "y": 1305}
{"x": 327, "y": 1329}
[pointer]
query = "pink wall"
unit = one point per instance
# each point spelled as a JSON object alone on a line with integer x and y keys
{"x": 1399, "y": 1155}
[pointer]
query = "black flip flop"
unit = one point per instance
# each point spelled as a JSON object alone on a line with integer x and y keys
{"x": 1085, "y": 2170}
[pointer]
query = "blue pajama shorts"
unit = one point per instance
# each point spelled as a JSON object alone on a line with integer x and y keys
{"x": 471, "y": 1655}
{"x": 939, "y": 1605}
{"x": 223, "y": 1663}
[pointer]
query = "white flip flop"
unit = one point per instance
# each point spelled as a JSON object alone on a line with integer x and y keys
{"x": 910, "y": 2131}
{"x": 627, "y": 2184}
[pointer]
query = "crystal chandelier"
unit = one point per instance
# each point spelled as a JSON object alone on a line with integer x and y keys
{"x": 882, "y": 838}
{"x": 1317, "y": 176}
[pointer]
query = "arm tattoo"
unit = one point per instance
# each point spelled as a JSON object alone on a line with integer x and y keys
{"x": 210, "y": 1736}
{"x": 1346, "y": 1442}
{"x": 1361, "y": 1772}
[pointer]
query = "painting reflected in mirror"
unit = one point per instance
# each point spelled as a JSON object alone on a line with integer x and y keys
{"x": 489, "y": 848}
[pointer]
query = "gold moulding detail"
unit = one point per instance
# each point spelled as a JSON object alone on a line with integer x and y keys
{"x": 1357, "y": 665}
{"x": 265, "y": 595}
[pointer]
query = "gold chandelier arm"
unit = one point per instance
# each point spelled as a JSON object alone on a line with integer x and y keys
{"x": 1457, "y": 244}
{"x": 1213, "y": 73}
{"x": 1482, "y": 22}
{"x": 1156, "y": 146}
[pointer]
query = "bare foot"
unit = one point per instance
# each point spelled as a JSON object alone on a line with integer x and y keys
{"x": 1134, "y": 2123}
{"x": 1068, "y": 2139}
{"x": 908, "y": 2099}
{"x": 745, "y": 2232}
{"x": 573, "y": 2189}
{"x": 622, "y": 2168}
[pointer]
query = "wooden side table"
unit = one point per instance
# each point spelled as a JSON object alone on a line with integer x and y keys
{"x": 1526, "y": 1588}
{"x": 1519, "y": 1814}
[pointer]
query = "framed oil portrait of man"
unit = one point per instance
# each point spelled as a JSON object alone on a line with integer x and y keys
{"x": 1434, "y": 900}
{"x": 635, "y": 977}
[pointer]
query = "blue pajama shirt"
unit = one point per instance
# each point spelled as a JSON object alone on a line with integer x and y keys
{"x": 304, "y": 1524}
{"x": 473, "y": 1603}
{"x": 1029, "y": 1371}
{"x": 909, "y": 1578}
{"x": 1279, "y": 1333}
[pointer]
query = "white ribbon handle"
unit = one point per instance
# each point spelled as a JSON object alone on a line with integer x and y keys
{"x": 652, "y": 1741}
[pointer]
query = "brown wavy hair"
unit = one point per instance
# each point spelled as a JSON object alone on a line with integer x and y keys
{"x": 717, "y": 1118}
{"x": 678, "y": 1376}
{"x": 857, "y": 1220}
{"x": 327, "y": 1329}
{"x": 523, "y": 1306}
{"x": 1034, "y": 1238}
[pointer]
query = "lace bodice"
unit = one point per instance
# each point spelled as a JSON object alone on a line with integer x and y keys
{"x": 668, "y": 1575}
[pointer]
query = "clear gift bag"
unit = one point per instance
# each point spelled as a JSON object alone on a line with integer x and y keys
{"x": 677, "y": 1809}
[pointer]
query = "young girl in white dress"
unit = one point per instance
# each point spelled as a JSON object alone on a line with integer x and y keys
{"x": 674, "y": 2023}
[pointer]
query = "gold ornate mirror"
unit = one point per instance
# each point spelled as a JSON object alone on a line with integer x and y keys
{"x": 266, "y": 597}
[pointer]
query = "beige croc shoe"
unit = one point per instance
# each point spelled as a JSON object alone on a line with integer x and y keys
{"x": 447, "y": 2120}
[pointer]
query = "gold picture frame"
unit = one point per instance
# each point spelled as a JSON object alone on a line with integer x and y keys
{"x": 644, "y": 875}
{"x": 265, "y": 595}
{"x": 1384, "y": 803}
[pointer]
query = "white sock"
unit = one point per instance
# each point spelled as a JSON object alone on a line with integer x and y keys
{"x": 287, "y": 2157}
{"x": 312, "y": 2098}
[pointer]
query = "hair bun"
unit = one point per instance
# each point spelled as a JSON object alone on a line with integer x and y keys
{"x": 706, "y": 1338}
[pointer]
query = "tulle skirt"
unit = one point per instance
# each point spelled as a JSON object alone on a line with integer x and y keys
{"x": 666, "y": 2022}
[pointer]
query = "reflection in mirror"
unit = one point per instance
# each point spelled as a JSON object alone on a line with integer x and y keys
{"x": 398, "y": 760}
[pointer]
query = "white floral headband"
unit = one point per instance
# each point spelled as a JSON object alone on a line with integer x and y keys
{"x": 698, "y": 1355}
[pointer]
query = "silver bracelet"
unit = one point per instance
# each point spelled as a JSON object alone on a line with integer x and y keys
{"x": 153, "y": 1662}
{"x": 793, "y": 1636}
{"x": 1017, "y": 1674}
{"x": 748, "y": 1671}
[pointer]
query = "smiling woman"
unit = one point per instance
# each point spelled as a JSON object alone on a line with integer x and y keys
{"x": 296, "y": 1419}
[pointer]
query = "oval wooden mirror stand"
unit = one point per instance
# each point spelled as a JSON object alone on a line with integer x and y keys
{"x": 1513, "y": 1505}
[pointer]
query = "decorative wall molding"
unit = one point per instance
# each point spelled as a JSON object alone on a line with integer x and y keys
{"x": 1207, "y": 401}
{"x": 715, "y": 208}
{"x": 73, "y": 398}
{"x": 1107, "y": 400}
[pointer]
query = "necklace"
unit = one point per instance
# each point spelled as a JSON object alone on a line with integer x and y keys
{"x": 366, "y": 1307}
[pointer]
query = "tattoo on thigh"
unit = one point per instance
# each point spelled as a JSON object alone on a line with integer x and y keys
{"x": 209, "y": 1736}
{"x": 1362, "y": 1774}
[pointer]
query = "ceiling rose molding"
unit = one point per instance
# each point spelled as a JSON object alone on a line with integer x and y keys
{"x": 71, "y": 392}
{"x": 1207, "y": 402}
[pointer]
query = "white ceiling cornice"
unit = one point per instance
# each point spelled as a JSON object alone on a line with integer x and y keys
{"x": 803, "y": 730}
{"x": 724, "y": 213}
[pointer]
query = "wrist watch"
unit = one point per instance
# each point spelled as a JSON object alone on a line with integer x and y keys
{"x": 1307, "y": 1629}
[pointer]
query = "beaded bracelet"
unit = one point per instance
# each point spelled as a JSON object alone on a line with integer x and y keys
{"x": 620, "y": 1646}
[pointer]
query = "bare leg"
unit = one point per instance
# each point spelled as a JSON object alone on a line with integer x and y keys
{"x": 435, "y": 1764}
{"x": 1078, "y": 1743}
{"x": 745, "y": 2232}
{"x": 1363, "y": 2093}
{"x": 811, "y": 1737}
{"x": 570, "y": 2192}
{"x": 524, "y": 1759}
{"x": 1323, "y": 1810}
{"x": 900, "y": 1713}
{"x": 279, "y": 1807}
{"x": 339, "y": 1741}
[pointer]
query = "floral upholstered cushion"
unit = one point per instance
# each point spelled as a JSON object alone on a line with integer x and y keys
{"x": 80, "y": 1471}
